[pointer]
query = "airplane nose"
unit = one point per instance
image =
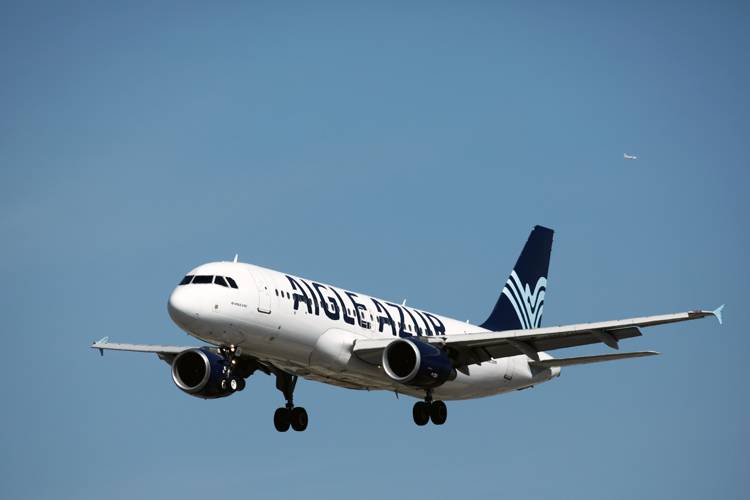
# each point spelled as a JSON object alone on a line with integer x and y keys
{"x": 182, "y": 306}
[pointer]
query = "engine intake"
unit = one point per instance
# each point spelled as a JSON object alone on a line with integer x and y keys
{"x": 199, "y": 372}
{"x": 417, "y": 363}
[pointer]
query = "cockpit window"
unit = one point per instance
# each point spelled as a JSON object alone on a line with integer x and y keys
{"x": 224, "y": 281}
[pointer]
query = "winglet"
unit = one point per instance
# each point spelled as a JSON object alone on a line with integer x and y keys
{"x": 103, "y": 340}
{"x": 717, "y": 312}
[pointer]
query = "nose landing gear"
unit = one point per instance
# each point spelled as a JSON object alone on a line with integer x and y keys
{"x": 427, "y": 410}
{"x": 288, "y": 415}
{"x": 234, "y": 378}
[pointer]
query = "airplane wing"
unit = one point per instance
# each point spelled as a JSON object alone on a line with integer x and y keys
{"x": 471, "y": 348}
{"x": 165, "y": 352}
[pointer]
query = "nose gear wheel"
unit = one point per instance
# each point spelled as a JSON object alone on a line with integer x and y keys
{"x": 232, "y": 380}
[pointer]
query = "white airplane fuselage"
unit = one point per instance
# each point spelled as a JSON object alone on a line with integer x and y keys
{"x": 308, "y": 328}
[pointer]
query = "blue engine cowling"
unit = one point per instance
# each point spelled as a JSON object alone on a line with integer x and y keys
{"x": 417, "y": 363}
{"x": 199, "y": 372}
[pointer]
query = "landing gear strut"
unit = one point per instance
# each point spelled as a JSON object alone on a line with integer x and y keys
{"x": 232, "y": 380}
{"x": 427, "y": 410}
{"x": 289, "y": 415}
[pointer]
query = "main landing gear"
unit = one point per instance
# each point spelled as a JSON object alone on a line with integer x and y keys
{"x": 233, "y": 379}
{"x": 427, "y": 410}
{"x": 289, "y": 415}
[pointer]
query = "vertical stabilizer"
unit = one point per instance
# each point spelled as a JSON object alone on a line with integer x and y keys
{"x": 521, "y": 300}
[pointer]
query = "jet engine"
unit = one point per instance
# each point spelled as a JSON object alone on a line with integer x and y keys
{"x": 203, "y": 373}
{"x": 417, "y": 363}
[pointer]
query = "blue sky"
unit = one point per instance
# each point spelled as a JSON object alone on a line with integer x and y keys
{"x": 404, "y": 151}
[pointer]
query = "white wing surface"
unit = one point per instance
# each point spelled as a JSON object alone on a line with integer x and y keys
{"x": 156, "y": 349}
{"x": 165, "y": 352}
{"x": 470, "y": 348}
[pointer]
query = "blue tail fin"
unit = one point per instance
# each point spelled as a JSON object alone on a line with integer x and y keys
{"x": 521, "y": 301}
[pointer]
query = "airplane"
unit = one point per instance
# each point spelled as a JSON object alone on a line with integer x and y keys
{"x": 629, "y": 157}
{"x": 256, "y": 319}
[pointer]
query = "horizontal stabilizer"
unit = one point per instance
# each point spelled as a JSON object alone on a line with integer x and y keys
{"x": 584, "y": 360}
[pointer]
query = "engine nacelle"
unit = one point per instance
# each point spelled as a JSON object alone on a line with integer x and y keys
{"x": 417, "y": 363}
{"x": 199, "y": 372}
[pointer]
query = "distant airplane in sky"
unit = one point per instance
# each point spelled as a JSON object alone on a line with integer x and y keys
{"x": 629, "y": 157}
{"x": 257, "y": 319}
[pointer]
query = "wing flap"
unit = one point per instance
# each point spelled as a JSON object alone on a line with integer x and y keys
{"x": 583, "y": 338}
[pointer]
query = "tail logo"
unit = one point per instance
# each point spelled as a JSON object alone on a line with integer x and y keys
{"x": 527, "y": 304}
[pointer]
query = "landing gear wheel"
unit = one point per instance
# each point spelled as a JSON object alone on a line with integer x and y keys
{"x": 236, "y": 384}
{"x": 438, "y": 412}
{"x": 281, "y": 419}
{"x": 235, "y": 369}
{"x": 421, "y": 413}
{"x": 289, "y": 415}
{"x": 298, "y": 419}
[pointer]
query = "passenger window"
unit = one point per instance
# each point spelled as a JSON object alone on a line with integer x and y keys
{"x": 232, "y": 283}
{"x": 187, "y": 279}
{"x": 200, "y": 280}
{"x": 220, "y": 281}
